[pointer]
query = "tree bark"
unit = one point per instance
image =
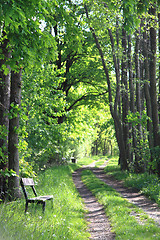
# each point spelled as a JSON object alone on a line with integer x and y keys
{"x": 147, "y": 88}
{"x": 159, "y": 64}
{"x": 124, "y": 93}
{"x": 138, "y": 166}
{"x": 4, "y": 110}
{"x": 131, "y": 84}
{"x": 132, "y": 94}
{"x": 114, "y": 111}
{"x": 13, "y": 157}
{"x": 153, "y": 82}
{"x": 138, "y": 87}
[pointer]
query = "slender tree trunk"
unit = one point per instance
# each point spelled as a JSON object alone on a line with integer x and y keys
{"x": 138, "y": 86}
{"x": 124, "y": 93}
{"x": 159, "y": 64}
{"x": 146, "y": 88}
{"x": 114, "y": 111}
{"x": 4, "y": 109}
{"x": 153, "y": 82}
{"x": 13, "y": 160}
{"x": 104, "y": 147}
{"x": 131, "y": 84}
{"x": 131, "y": 91}
{"x": 138, "y": 167}
{"x": 118, "y": 98}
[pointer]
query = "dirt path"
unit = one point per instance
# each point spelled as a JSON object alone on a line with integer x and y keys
{"x": 133, "y": 196}
{"x": 99, "y": 226}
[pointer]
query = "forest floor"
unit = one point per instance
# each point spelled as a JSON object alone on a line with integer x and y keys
{"x": 99, "y": 225}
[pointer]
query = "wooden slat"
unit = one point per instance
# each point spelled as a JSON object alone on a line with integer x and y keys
{"x": 28, "y": 181}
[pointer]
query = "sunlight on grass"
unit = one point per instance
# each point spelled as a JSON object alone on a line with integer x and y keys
{"x": 86, "y": 161}
{"x": 64, "y": 221}
{"x": 98, "y": 159}
{"x": 119, "y": 211}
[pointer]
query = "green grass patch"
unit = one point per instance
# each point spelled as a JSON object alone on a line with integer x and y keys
{"x": 85, "y": 161}
{"x": 101, "y": 162}
{"x": 64, "y": 221}
{"x": 146, "y": 183}
{"x": 99, "y": 159}
{"x": 128, "y": 222}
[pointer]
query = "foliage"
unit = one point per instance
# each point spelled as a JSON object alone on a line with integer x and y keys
{"x": 7, "y": 173}
{"x": 22, "y": 24}
{"x": 3, "y": 134}
{"x": 155, "y": 158}
{"x": 50, "y": 141}
{"x": 137, "y": 118}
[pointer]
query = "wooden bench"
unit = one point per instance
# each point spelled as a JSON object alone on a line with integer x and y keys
{"x": 37, "y": 199}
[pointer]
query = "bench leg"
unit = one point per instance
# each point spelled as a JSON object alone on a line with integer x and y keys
{"x": 43, "y": 206}
{"x": 26, "y": 207}
{"x": 52, "y": 202}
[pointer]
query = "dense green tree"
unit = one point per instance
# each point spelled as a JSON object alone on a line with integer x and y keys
{"x": 21, "y": 44}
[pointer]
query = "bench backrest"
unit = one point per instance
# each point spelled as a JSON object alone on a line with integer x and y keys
{"x": 27, "y": 182}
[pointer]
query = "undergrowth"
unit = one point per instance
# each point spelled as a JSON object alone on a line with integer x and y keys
{"x": 65, "y": 220}
{"x": 128, "y": 222}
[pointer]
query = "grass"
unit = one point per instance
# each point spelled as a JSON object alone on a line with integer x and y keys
{"x": 85, "y": 161}
{"x": 128, "y": 222}
{"x": 64, "y": 221}
{"x": 146, "y": 183}
{"x": 99, "y": 160}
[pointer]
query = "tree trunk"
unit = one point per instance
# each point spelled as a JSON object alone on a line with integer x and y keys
{"x": 13, "y": 157}
{"x": 153, "y": 87}
{"x": 159, "y": 64}
{"x": 120, "y": 140}
{"x": 124, "y": 93}
{"x": 114, "y": 111}
{"x": 131, "y": 84}
{"x": 132, "y": 95}
{"x": 146, "y": 88}
{"x": 138, "y": 167}
{"x": 153, "y": 82}
{"x": 4, "y": 109}
{"x": 138, "y": 87}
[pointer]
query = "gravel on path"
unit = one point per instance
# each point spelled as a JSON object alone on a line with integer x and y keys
{"x": 99, "y": 225}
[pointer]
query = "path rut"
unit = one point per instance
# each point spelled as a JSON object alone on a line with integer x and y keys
{"x": 99, "y": 226}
